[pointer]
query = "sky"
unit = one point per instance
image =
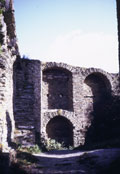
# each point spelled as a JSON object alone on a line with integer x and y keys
{"x": 78, "y": 32}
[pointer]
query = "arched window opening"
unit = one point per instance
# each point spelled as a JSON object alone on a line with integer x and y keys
{"x": 61, "y": 130}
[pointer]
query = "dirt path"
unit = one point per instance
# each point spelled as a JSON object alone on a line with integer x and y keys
{"x": 76, "y": 162}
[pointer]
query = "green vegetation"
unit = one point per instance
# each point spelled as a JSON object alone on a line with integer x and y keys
{"x": 2, "y": 6}
{"x": 1, "y": 11}
{"x": 0, "y": 49}
{"x": 2, "y": 1}
{"x": 24, "y": 159}
{"x": 31, "y": 149}
{"x": 54, "y": 145}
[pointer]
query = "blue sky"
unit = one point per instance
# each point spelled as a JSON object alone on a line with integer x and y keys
{"x": 78, "y": 32}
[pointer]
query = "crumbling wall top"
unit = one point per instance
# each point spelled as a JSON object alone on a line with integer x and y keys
{"x": 8, "y": 38}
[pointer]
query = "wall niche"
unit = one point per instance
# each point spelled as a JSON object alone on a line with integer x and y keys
{"x": 57, "y": 89}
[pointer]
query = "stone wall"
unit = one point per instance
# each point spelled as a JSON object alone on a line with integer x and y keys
{"x": 27, "y": 100}
{"x": 91, "y": 90}
{"x": 8, "y": 54}
{"x": 84, "y": 99}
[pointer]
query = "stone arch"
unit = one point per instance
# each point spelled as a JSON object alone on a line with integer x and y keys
{"x": 57, "y": 89}
{"x": 60, "y": 129}
{"x": 98, "y": 86}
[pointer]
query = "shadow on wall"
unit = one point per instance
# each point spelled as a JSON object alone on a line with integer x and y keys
{"x": 9, "y": 128}
{"x": 105, "y": 114}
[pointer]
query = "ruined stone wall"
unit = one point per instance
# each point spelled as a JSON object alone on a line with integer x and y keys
{"x": 27, "y": 100}
{"x": 86, "y": 100}
{"x": 92, "y": 91}
{"x": 8, "y": 54}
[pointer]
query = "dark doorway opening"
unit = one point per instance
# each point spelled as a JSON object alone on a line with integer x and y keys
{"x": 61, "y": 130}
{"x": 99, "y": 102}
{"x": 99, "y": 87}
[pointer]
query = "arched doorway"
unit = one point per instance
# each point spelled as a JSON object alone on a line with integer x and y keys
{"x": 97, "y": 87}
{"x": 60, "y": 129}
{"x": 98, "y": 97}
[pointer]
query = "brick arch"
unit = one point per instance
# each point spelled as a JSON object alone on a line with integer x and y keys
{"x": 97, "y": 86}
{"x": 57, "y": 88}
{"x": 60, "y": 129}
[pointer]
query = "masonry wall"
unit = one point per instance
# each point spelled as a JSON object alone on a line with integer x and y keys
{"x": 92, "y": 94}
{"x": 8, "y": 54}
{"x": 88, "y": 111}
{"x": 27, "y": 100}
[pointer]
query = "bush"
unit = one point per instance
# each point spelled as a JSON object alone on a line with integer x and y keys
{"x": 31, "y": 149}
{"x": 54, "y": 145}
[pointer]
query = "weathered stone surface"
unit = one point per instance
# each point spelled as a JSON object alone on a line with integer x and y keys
{"x": 84, "y": 97}
{"x": 7, "y": 57}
